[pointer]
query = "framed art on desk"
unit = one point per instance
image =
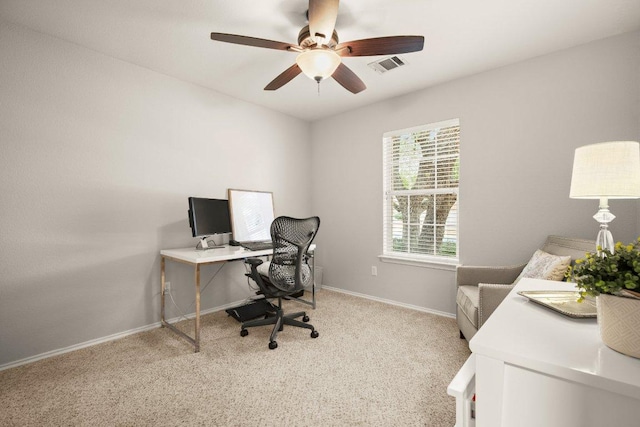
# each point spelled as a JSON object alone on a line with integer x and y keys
{"x": 251, "y": 215}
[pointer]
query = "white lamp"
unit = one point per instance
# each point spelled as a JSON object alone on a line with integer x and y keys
{"x": 318, "y": 63}
{"x": 609, "y": 170}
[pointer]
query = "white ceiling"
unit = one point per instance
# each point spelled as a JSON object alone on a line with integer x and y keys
{"x": 462, "y": 37}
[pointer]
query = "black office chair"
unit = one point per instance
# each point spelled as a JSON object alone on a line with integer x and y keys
{"x": 288, "y": 273}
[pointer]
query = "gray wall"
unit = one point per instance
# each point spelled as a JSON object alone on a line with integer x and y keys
{"x": 98, "y": 159}
{"x": 520, "y": 125}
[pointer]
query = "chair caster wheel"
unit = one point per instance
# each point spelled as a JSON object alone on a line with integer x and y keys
{"x": 244, "y": 332}
{"x": 314, "y": 334}
{"x": 273, "y": 345}
{"x": 305, "y": 318}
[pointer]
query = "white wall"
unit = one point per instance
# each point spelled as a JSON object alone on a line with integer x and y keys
{"x": 520, "y": 125}
{"x": 98, "y": 159}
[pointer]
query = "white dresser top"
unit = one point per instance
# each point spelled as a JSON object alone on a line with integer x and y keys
{"x": 527, "y": 334}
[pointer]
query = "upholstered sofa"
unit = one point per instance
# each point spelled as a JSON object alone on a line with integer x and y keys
{"x": 481, "y": 289}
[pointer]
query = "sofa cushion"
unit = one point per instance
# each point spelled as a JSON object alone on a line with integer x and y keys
{"x": 468, "y": 300}
{"x": 543, "y": 265}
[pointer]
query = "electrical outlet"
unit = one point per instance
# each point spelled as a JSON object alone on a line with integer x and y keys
{"x": 374, "y": 270}
{"x": 167, "y": 287}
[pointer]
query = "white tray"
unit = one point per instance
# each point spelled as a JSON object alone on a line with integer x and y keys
{"x": 564, "y": 302}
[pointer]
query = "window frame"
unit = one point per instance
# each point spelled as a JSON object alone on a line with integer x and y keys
{"x": 416, "y": 259}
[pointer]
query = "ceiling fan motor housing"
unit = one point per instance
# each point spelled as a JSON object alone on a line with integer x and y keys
{"x": 305, "y": 40}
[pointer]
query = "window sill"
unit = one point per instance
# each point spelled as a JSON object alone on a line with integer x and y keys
{"x": 439, "y": 264}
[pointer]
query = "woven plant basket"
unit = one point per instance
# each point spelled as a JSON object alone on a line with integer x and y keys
{"x": 619, "y": 320}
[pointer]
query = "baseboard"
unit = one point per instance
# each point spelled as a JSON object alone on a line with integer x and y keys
{"x": 391, "y": 302}
{"x": 113, "y": 337}
{"x": 155, "y": 325}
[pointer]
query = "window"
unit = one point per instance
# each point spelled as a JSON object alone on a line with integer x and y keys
{"x": 421, "y": 173}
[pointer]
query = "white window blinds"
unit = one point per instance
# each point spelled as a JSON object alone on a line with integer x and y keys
{"x": 421, "y": 173}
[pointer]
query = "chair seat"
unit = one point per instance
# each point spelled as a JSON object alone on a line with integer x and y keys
{"x": 468, "y": 299}
{"x": 271, "y": 290}
{"x": 263, "y": 270}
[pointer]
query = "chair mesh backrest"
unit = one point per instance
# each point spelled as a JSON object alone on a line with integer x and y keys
{"x": 289, "y": 269}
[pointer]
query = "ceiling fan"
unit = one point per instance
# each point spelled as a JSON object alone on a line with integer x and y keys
{"x": 319, "y": 51}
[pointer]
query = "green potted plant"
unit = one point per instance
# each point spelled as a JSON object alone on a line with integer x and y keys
{"x": 614, "y": 279}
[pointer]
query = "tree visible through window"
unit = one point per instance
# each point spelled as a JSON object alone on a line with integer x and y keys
{"x": 421, "y": 168}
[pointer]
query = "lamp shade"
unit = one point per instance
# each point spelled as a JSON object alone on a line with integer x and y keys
{"x": 319, "y": 63}
{"x": 606, "y": 170}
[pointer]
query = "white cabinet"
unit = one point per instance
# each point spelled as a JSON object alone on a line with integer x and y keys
{"x": 535, "y": 367}
{"x": 463, "y": 388}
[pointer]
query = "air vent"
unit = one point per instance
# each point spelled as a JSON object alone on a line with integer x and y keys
{"x": 387, "y": 64}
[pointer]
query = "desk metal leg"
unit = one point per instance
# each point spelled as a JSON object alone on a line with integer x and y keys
{"x": 163, "y": 321}
{"x": 162, "y": 290}
{"x": 313, "y": 280}
{"x": 197, "y": 340}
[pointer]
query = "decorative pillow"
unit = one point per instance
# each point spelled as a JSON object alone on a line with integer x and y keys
{"x": 543, "y": 265}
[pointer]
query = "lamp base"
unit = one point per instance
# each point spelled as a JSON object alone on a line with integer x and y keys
{"x": 604, "y": 217}
{"x": 605, "y": 239}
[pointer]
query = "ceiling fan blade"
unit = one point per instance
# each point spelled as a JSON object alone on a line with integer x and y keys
{"x": 381, "y": 46}
{"x": 285, "y": 77}
{"x": 252, "y": 41}
{"x": 322, "y": 18}
{"x": 348, "y": 79}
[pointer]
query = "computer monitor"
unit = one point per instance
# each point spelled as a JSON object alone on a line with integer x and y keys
{"x": 208, "y": 217}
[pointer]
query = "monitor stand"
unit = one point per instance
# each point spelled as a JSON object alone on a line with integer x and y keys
{"x": 204, "y": 244}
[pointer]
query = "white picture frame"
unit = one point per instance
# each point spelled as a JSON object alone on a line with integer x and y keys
{"x": 251, "y": 215}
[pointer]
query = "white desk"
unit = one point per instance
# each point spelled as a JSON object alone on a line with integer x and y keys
{"x": 198, "y": 258}
{"x": 536, "y": 367}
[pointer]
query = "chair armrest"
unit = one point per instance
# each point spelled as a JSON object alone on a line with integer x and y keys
{"x": 253, "y": 261}
{"x": 254, "y": 274}
{"x": 490, "y": 295}
{"x": 473, "y": 275}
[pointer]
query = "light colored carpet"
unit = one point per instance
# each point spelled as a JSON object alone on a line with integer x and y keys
{"x": 373, "y": 364}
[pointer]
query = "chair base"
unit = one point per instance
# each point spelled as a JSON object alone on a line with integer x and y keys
{"x": 279, "y": 319}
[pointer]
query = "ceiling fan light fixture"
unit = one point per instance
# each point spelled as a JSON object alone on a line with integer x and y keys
{"x": 318, "y": 63}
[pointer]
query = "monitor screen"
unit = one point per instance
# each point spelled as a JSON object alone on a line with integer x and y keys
{"x": 208, "y": 216}
{"x": 251, "y": 215}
